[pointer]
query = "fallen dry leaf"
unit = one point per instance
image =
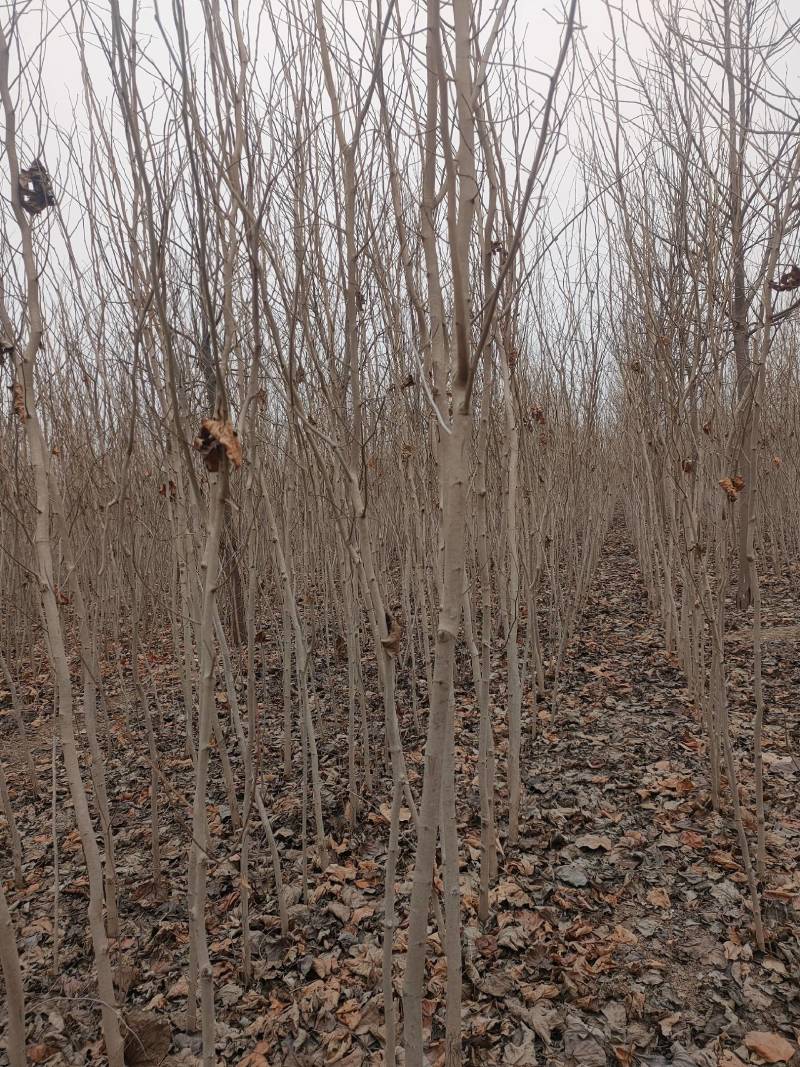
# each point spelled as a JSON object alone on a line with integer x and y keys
{"x": 771, "y": 1047}
{"x": 147, "y": 1039}
{"x": 658, "y": 897}
{"x": 593, "y": 842}
{"x": 691, "y": 839}
{"x": 730, "y": 1059}
{"x": 40, "y": 1052}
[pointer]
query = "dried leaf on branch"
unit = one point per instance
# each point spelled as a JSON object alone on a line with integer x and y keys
{"x": 215, "y": 438}
{"x": 19, "y": 401}
{"x": 732, "y": 486}
{"x": 392, "y": 641}
{"x": 790, "y": 279}
{"x": 36, "y": 189}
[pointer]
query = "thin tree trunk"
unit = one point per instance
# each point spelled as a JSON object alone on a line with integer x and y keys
{"x": 15, "y": 997}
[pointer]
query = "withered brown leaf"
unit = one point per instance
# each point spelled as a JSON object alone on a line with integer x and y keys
{"x": 392, "y": 641}
{"x": 147, "y": 1040}
{"x": 19, "y": 401}
{"x": 790, "y": 279}
{"x": 215, "y": 437}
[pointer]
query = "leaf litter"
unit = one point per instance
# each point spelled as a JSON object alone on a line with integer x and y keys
{"x": 619, "y": 928}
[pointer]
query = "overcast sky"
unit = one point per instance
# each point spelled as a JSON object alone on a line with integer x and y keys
{"x": 540, "y": 21}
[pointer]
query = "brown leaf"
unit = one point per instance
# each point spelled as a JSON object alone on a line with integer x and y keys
{"x": 386, "y": 811}
{"x": 724, "y": 860}
{"x": 392, "y": 641}
{"x": 658, "y": 897}
{"x": 541, "y": 1018}
{"x": 322, "y": 966}
{"x": 691, "y": 839}
{"x": 731, "y": 491}
{"x": 771, "y": 1047}
{"x": 147, "y": 1040}
{"x": 543, "y": 991}
{"x": 621, "y": 935}
{"x": 35, "y": 188}
{"x": 257, "y": 1057}
{"x": 337, "y": 872}
{"x": 215, "y": 437}
{"x": 365, "y": 912}
{"x": 19, "y": 401}
{"x": 593, "y": 842}
{"x": 178, "y": 989}
{"x": 667, "y": 1024}
{"x": 126, "y": 976}
{"x": 675, "y": 784}
{"x": 730, "y": 1059}
{"x": 790, "y": 279}
{"x": 341, "y": 911}
{"x": 40, "y": 1052}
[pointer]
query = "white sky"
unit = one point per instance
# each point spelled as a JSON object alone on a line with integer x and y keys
{"x": 62, "y": 75}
